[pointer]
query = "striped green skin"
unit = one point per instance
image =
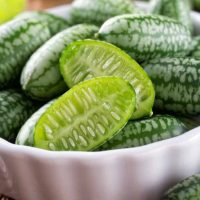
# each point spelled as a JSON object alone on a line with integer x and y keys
{"x": 18, "y": 40}
{"x": 26, "y": 134}
{"x": 146, "y": 131}
{"x": 86, "y": 59}
{"x": 195, "y": 49}
{"x": 15, "y": 109}
{"x": 86, "y": 116}
{"x": 146, "y": 36}
{"x": 188, "y": 189}
{"x": 176, "y": 9}
{"x": 176, "y": 82}
{"x": 55, "y": 23}
{"x": 98, "y": 11}
{"x": 41, "y": 78}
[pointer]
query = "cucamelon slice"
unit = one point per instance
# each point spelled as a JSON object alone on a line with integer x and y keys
{"x": 86, "y": 59}
{"x": 86, "y": 116}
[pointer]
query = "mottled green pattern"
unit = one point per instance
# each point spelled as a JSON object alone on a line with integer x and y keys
{"x": 176, "y": 9}
{"x": 86, "y": 116}
{"x": 87, "y": 59}
{"x": 15, "y": 109}
{"x": 26, "y": 133}
{"x": 98, "y": 11}
{"x": 195, "y": 52}
{"x": 18, "y": 40}
{"x": 176, "y": 82}
{"x": 188, "y": 189}
{"x": 54, "y": 23}
{"x": 147, "y": 36}
{"x": 41, "y": 78}
{"x": 146, "y": 131}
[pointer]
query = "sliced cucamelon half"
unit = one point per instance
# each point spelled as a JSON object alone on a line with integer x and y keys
{"x": 86, "y": 59}
{"x": 86, "y": 116}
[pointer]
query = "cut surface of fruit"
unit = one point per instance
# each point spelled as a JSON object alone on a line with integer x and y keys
{"x": 87, "y": 59}
{"x": 86, "y": 116}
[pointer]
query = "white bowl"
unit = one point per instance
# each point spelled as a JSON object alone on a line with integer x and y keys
{"x": 142, "y": 173}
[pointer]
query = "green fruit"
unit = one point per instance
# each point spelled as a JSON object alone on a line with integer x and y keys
{"x": 15, "y": 109}
{"x": 18, "y": 40}
{"x": 98, "y": 11}
{"x": 10, "y": 8}
{"x": 176, "y": 9}
{"x": 146, "y": 131}
{"x": 41, "y": 78}
{"x": 26, "y": 133}
{"x": 176, "y": 82}
{"x": 86, "y": 116}
{"x": 86, "y": 59}
{"x": 146, "y": 37}
{"x": 188, "y": 189}
{"x": 54, "y": 23}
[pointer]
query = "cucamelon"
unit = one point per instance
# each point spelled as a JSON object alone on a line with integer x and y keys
{"x": 41, "y": 78}
{"x": 26, "y": 134}
{"x": 146, "y": 131}
{"x": 98, "y": 11}
{"x": 18, "y": 40}
{"x": 145, "y": 36}
{"x": 15, "y": 109}
{"x": 176, "y": 9}
{"x": 87, "y": 59}
{"x": 86, "y": 116}
{"x": 176, "y": 82}
{"x": 54, "y": 23}
{"x": 188, "y": 189}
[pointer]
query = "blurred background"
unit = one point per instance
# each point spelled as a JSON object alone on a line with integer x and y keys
{"x": 43, "y": 4}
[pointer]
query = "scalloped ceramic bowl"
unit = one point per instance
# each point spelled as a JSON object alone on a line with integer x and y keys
{"x": 142, "y": 173}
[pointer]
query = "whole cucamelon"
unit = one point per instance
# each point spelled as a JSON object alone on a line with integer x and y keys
{"x": 86, "y": 116}
{"x": 195, "y": 49}
{"x": 87, "y": 59}
{"x": 188, "y": 189}
{"x": 41, "y": 78}
{"x": 54, "y": 23}
{"x": 145, "y": 36}
{"x": 15, "y": 109}
{"x": 146, "y": 131}
{"x": 176, "y": 82}
{"x": 18, "y": 40}
{"x": 98, "y": 11}
{"x": 26, "y": 134}
{"x": 176, "y": 9}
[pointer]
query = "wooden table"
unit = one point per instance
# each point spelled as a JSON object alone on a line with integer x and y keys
{"x": 43, "y": 4}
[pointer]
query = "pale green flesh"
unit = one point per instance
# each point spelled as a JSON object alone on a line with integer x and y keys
{"x": 86, "y": 116}
{"x": 86, "y": 59}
